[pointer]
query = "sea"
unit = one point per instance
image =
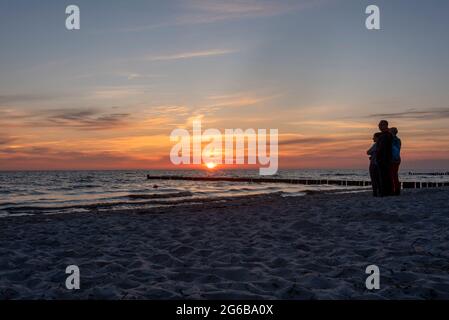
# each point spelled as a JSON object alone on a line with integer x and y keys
{"x": 53, "y": 192}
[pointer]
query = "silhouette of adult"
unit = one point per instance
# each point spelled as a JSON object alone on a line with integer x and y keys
{"x": 384, "y": 158}
{"x": 396, "y": 162}
{"x": 373, "y": 170}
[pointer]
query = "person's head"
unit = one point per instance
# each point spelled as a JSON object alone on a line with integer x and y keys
{"x": 383, "y": 125}
{"x": 394, "y": 131}
{"x": 376, "y": 136}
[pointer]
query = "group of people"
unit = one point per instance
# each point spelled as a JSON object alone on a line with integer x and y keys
{"x": 385, "y": 158}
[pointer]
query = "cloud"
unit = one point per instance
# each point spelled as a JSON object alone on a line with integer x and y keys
{"x": 333, "y": 124}
{"x": 87, "y": 119}
{"x": 238, "y": 100}
{"x": 431, "y": 114}
{"x": 244, "y": 8}
{"x": 28, "y": 151}
{"x": 201, "y": 11}
{"x": 207, "y": 11}
{"x": 119, "y": 92}
{"x": 5, "y": 140}
{"x": 133, "y": 76}
{"x": 309, "y": 140}
{"x": 191, "y": 55}
{"x": 174, "y": 111}
{"x": 193, "y": 12}
{"x": 81, "y": 118}
{"x": 27, "y": 98}
{"x": 42, "y": 158}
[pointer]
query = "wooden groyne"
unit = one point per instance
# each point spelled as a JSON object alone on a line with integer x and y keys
{"x": 428, "y": 173}
{"x": 352, "y": 183}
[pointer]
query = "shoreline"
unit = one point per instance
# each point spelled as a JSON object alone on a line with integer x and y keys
{"x": 154, "y": 203}
{"x": 261, "y": 247}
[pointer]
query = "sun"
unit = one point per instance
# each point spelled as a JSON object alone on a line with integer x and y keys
{"x": 211, "y": 165}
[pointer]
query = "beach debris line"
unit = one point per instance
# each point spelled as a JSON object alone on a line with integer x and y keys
{"x": 352, "y": 183}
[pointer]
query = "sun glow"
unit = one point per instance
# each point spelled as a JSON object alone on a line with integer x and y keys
{"x": 211, "y": 165}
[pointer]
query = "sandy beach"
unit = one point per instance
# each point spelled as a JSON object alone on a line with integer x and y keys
{"x": 268, "y": 247}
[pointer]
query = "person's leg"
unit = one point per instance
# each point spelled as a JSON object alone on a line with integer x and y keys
{"x": 377, "y": 179}
{"x": 393, "y": 184}
{"x": 389, "y": 185}
{"x": 374, "y": 179}
{"x": 381, "y": 181}
{"x": 385, "y": 180}
{"x": 396, "y": 182}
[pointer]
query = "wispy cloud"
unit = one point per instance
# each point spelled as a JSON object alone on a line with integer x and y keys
{"x": 45, "y": 158}
{"x": 78, "y": 118}
{"x": 118, "y": 92}
{"x": 191, "y": 55}
{"x": 430, "y": 114}
{"x": 129, "y": 75}
{"x": 236, "y": 100}
{"x": 170, "y": 110}
{"x": 5, "y": 140}
{"x": 193, "y": 12}
{"x": 308, "y": 140}
{"x": 87, "y": 119}
{"x": 333, "y": 124}
{"x": 133, "y": 76}
{"x": 6, "y": 99}
{"x": 202, "y": 11}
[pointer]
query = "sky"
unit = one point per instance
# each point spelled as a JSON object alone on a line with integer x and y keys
{"x": 108, "y": 96}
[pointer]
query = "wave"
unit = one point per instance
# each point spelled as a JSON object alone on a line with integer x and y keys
{"x": 7, "y": 204}
{"x": 85, "y": 186}
{"x": 127, "y": 204}
{"x": 342, "y": 174}
{"x": 161, "y": 195}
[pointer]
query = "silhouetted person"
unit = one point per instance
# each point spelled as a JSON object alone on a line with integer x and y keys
{"x": 396, "y": 161}
{"x": 373, "y": 169}
{"x": 384, "y": 158}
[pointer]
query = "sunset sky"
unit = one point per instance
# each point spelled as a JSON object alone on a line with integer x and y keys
{"x": 109, "y": 95}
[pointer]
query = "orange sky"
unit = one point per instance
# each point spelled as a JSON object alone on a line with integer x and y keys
{"x": 85, "y": 141}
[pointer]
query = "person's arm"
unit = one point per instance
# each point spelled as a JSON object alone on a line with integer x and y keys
{"x": 370, "y": 151}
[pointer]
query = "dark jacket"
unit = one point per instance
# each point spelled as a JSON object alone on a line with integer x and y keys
{"x": 384, "y": 154}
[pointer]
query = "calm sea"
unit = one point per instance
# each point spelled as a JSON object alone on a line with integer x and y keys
{"x": 52, "y": 192}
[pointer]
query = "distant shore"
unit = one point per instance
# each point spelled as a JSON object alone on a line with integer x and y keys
{"x": 259, "y": 247}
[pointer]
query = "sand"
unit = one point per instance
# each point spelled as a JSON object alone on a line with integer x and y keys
{"x": 269, "y": 247}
